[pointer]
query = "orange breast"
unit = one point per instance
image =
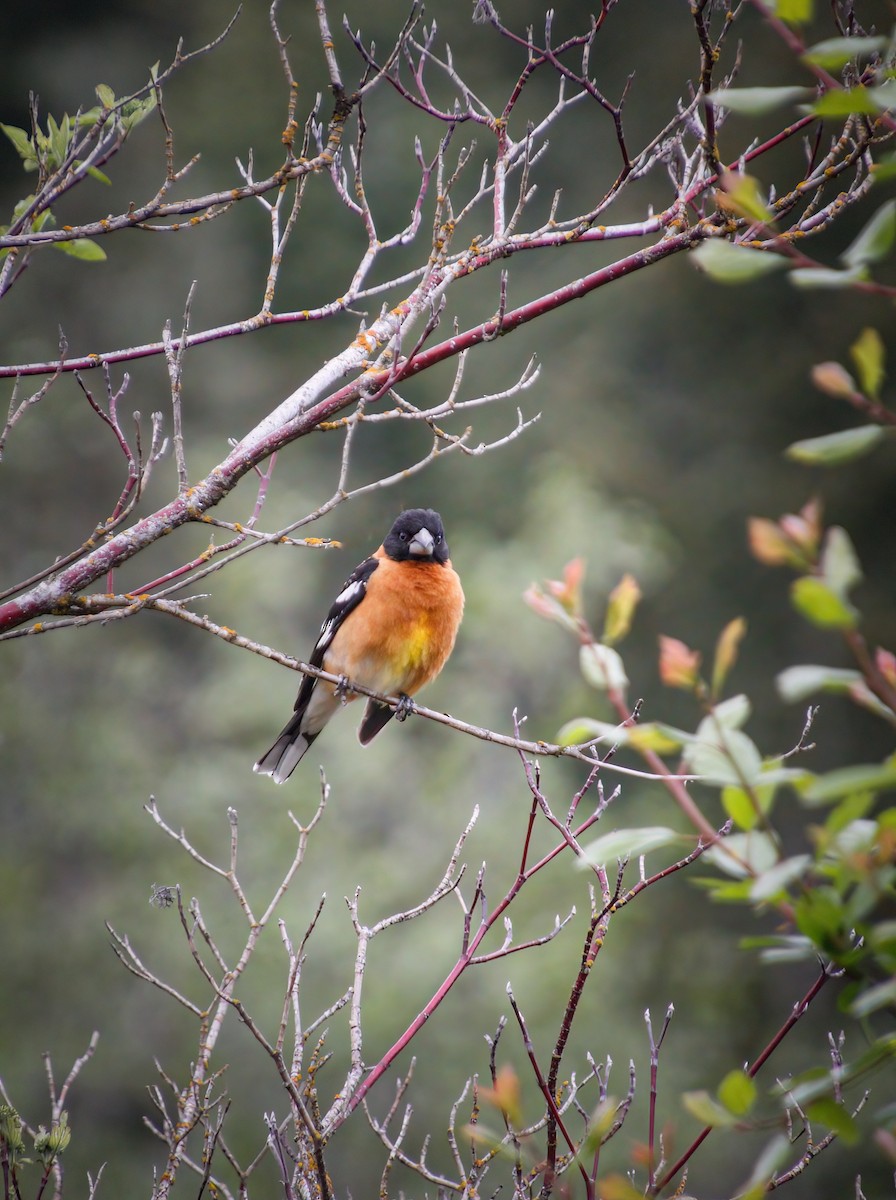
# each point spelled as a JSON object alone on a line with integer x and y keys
{"x": 401, "y": 634}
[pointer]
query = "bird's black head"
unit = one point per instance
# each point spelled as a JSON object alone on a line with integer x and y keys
{"x": 418, "y": 536}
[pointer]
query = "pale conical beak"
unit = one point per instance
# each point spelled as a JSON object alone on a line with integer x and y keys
{"x": 421, "y": 544}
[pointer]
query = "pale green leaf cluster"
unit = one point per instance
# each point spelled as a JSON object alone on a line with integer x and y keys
{"x": 54, "y": 152}
{"x": 869, "y": 358}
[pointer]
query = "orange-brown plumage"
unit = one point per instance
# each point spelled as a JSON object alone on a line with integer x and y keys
{"x": 391, "y": 629}
{"x": 400, "y": 637}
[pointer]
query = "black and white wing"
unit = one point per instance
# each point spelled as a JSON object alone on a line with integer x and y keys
{"x": 300, "y": 731}
{"x": 351, "y": 595}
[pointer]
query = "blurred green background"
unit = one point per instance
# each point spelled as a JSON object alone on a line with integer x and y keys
{"x": 666, "y": 404}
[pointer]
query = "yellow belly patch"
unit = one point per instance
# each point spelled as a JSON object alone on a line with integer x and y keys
{"x": 416, "y": 645}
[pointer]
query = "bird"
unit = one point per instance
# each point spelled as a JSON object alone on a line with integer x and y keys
{"x": 391, "y": 629}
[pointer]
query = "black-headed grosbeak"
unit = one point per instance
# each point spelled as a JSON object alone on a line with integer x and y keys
{"x": 391, "y": 629}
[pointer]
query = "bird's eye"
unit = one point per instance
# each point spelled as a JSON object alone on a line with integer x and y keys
{"x": 403, "y": 536}
{"x": 438, "y": 538}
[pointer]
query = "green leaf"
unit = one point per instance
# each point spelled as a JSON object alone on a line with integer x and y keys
{"x": 20, "y": 139}
{"x": 602, "y": 667}
{"x": 679, "y": 736}
{"x": 844, "y": 781}
{"x": 809, "y": 1086}
{"x": 84, "y": 248}
{"x": 794, "y": 12}
{"x": 883, "y": 936}
{"x": 835, "y": 53}
{"x": 59, "y": 137}
{"x": 869, "y": 356}
{"x": 781, "y": 948}
{"x": 773, "y": 775}
{"x": 859, "y": 836}
{"x": 745, "y": 808}
{"x": 885, "y": 95}
{"x": 876, "y": 240}
{"x": 708, "y": 1111}
{"x": 773, "y": 882}
{"x": 661, "y": 739}
{"x": 727, "y": 263}
{"x": 826, "y": 1111}
{"x": 135, "y": 111}
{"x": 21, "y": 207}
{"x": 627, "y": 843}
{"x": 737, "y": 1092}
{"x": 721, "y": 753}
{"x": 600, "y": 1123}
{"x": 814, "y": 600}
{"x": 798, "y": 683}
{"x": 881, "y": 995}
{"x": 621, "y": 605}
{"x": 43, "y": 220}
{"x": 832, "y": 449}
{"x": 825, "y": 278}
{"x": 840, "y": 567}
{"x": 757, "y": 101}
{"x": 743, "y": 195}
{"x": 820, "y": 915}
{"x": 89, "y": 117}
{"x": 730, "y": 714}
{"x": 740, "y": 807}
{"x": 98, "y": 175}
{"x": 743, "y": 855}
{"x": 105, "y": 95}
{"x": 737, "y": 762}
{"x": 727, "y": 647}
{"x": 846, "y": 102}
{"x": 884, "y": 169}
{"x": 724, "y": 892}
{"x": 584, "y": 729}
{"x": 850, "y": 809}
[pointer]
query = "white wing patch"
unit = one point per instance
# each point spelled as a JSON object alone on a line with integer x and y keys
{"x": 350, "y": 595}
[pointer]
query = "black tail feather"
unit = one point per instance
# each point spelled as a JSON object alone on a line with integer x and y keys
{"x": 376, "y": 715}
{"x": 286, "y": 753}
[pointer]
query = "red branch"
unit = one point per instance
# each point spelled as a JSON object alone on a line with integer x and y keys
{"x": 54, "y": 595}
{"x": 797, "y": 1012}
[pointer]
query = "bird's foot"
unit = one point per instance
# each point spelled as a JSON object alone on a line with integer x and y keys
{"x": 343, "y": 689}
{"x": 404, "y": 707}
